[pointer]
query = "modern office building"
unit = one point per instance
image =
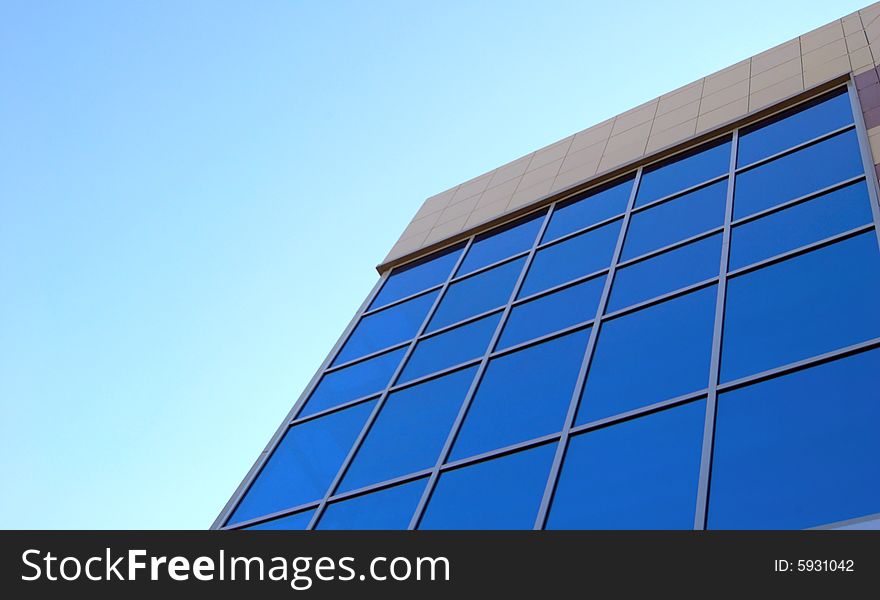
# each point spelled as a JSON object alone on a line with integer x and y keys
{"x": 668, "y": 320}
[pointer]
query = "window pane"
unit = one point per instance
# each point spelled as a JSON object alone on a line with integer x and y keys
{"x": 477, "y": 294}
{"x": 386, "y": 328}
{"x": 503, "y": 493}
{"x": 450, "y": 348}
{"x": 800, "y": 450}
{"x": 410, "y": 430}
{"x": 800, "y": 225}
{"x": 391, "y": 508}
{"x": 666, "y": 272}
{"x": 794, "y": 127}
{"x": 575, "y": 257}
{"x": 651, "y": 355}
{"x": 420, "y": 275}
{"x": 296, "y": 522}
{"x": 804, "y": 306}
{"x": 639, "y": 474}
{"x": 496, "y": 245}
{"x": 675, "y": 220}
{"x": 350, "y": 383}
{"x": 304, "y": 463}
{"x": 523, "y": 395}
{"x": 532, "y": 319}
{"x": 797, "y": 174}
{"x": 572, "y": 215}
{"x": 682, "y": 172}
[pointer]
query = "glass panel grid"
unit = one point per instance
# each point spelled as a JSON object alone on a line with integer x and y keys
{"x": 559, "y": 439}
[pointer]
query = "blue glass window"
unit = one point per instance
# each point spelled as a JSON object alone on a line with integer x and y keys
{"x": 684, "y": 171}
{"x": 523, "y": 395}
{"x": 799, "y": 225}
{"x": 794, "y": 127}
{"x": 654, "y": 354}
{"x": 409, "y": 431}
{"x": 450, "y": 348}
{"x": 295, "y": 522}
{"x": 572, "y": 305}
{"x": 805, "y": 306}
{"x": 667, "y": 272}
{"x": 799, "y": 450}
{"x": 477, "y": 294}
{"x": 304, "y": 464}
{"x": 575, "y": 257}
{"x": 356, "y": 381}
{"x": 496, "y": 245}
{"x": 417, "y": 276}
{"x": 595, "y": 207}
{"x": 503, "y": 493}
{"x": 386, "y": 328}
{"x": 391, "y": 508}
{"x": 639, "y": 474}
{"x": 677, "y": 219}
{"x": 797, "y": 174}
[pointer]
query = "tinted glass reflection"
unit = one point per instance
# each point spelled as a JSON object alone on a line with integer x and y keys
{"x": 386, "y": 328}
{"x": 805, "y": 306}
{"x": 569, "y": 306}
{"x": 304, "y": 464}
{"x": 799, "y": 450}
{"x": 800, "y": 225}
{"x": 797, "y": 174}
{"x": 477, "y": 294}
{"x": 639, "y": 474}
{"x": 450, "y": 348}
{"x": 653, "y": 354}
{"x": 503, "y": 493}
{"x": 575, "y": 257}
{"x": 682, "y": 172}
{"x": 361, "y": 379}
{"x": 409, "y": 431}
{"x": 523, "y": 395}
{"x": 420, "y": 275}
{"x": 391, "y": 508}
{"x": 597, "y": 206}
{"x": 497, "y": 245}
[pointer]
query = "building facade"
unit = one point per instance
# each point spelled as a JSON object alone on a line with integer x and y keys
{"x": 666, "y": 321}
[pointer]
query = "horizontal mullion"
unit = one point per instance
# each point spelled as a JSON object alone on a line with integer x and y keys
{"x": 542, "y": 338}
{"x": 799, "y": 365}
{"x": 799, "y": 200}
{"x": 678, "y": 194}
{"x": 639, "y": 412}
{"x": 661, "y": 298}
{"x": 561, "y": 286}
{"x": 379, "y": 486}
{"x": 285, "y": 512}
{"x": 777, "y": 258}
{"x": 578, "y": 232}
{"x": 462, "y": 323}
{"x": 669, "y": 247}
{"x": 394, "y": 303}
{"x": 488, "y": 267}
{"x": 434, "y": 375}
{"x": 499, "y": 452}
{"x": 365, "y": 357}
{"x": 323, "y": 413}
{"x": 791, "y": 150}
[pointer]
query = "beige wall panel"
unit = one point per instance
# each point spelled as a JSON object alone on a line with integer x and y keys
{"x": 849, "y": 44}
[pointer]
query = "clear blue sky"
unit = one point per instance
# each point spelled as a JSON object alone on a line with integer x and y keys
{"x": 193, "y": 197}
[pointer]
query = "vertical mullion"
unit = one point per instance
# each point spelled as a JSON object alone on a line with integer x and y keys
{"x": 702, "y": 504}
{"x": 867, "y": 159}
{"x": 556, "y": 466}
{"x": 381, "y": 401}
{"x": 481, "y": 369}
